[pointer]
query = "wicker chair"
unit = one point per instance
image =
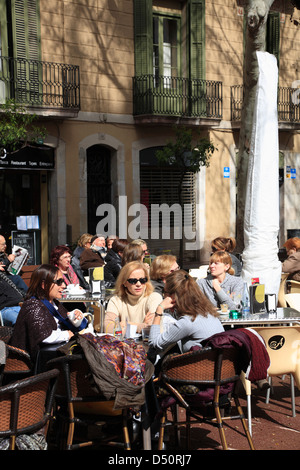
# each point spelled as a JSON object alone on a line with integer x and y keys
{"x": 25, "y": 405}
{"x": 18, "y": 365}
{"x": 6, "y": 333}
{"x": 212, "y": 368}
{"x": 74, "y": 397}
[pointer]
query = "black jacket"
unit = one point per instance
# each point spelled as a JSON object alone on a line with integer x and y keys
{"x": 10, "y": 295}
{"x": 112, "y": 267}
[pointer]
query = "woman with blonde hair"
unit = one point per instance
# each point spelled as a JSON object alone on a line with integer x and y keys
{"x": 197, "y": 317}
{"x": 227, "y": 244}
{"x": 221, "y": 285}
{"x": 160, "y": 268}
{"x": 134, "y": 301}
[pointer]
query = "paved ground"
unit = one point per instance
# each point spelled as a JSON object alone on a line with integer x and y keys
{"x": 273, "y": 427}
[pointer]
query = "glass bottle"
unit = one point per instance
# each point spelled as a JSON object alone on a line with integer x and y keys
{"x": 245, "y": 301}
{"x": 118, "y": 329}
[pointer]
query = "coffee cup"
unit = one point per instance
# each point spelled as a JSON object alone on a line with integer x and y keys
{"x": 130, "y": 331}
{"x": 76, "y": 321}
{"x": 224, "y": 308}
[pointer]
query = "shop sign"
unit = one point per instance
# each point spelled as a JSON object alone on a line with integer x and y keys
{"x": 28, "y": 158}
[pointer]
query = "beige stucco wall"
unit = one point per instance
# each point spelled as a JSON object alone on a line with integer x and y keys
{"x": 97, "y": 35}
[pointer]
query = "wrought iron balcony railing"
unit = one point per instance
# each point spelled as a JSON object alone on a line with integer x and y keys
{"x": 288, "y": 104}
{"x": 170, "y": 96}
{"x": 36, "y": 83}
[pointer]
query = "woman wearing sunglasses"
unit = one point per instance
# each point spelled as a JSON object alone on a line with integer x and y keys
{"x": 134, "y": 300}
{"x": 42, "y": 318}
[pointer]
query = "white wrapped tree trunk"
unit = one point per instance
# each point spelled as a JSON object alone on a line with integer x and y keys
{"x": 261, "y": 222}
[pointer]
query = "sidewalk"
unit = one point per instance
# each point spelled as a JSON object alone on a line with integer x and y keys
{"x": 273, "y": 427}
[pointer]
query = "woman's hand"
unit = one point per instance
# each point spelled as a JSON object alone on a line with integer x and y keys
{"x": 216, "y": 285}
{"x": 78, "y": 315}
{"x": 149, "y": 318}
{"x": 168, "y": 303}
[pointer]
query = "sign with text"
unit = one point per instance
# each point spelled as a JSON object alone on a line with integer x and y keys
{"x": 29, "y": 158}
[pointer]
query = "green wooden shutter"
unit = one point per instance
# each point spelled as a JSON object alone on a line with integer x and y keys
{"x": 198, "y": 102}
{"x": 26, "y": 45}
{"x": 26, "y": 29}
{"x": 4, "y": 69}
{"x": 273, "y": 34}
{"x": 197, "y": 39}
{"x": 143, "y": 40}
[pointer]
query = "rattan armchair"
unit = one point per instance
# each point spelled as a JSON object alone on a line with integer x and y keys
{"x": 18, "y": 365}
{"x": 205, "y": 368}
{"x": 25, "y": 406}
{"x": 80, "y": 403}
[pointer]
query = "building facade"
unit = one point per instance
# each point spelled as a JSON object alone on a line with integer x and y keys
{"x": 109, "y": 80}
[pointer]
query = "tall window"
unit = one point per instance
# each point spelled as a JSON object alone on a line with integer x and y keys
{"x": 159, "y": 38}
{"x": 166, "y": 50}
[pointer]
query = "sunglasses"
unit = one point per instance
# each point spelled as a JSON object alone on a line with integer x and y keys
{"x": 59, "y": 282}
{"x": 133, "y": 281}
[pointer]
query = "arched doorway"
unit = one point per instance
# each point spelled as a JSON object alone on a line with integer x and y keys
{"x": 99, "y": 185}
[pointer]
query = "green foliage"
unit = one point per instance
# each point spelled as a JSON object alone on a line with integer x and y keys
{"x": 185, "y": 154}
{"x": 17, "y": 128}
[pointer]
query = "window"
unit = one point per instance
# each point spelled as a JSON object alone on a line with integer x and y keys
{"x": 159, "y": 38}
{"x": 166, "y": 50}
{"x": 159, "y": 188}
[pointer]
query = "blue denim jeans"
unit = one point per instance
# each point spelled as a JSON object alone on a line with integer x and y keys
{"x": 9, "y": 315}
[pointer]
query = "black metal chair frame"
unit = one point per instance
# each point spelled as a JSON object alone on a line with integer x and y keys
{"x": 25, "y": 405}
{"x": 205, "y": 367}
{"x": 74, "y": 387}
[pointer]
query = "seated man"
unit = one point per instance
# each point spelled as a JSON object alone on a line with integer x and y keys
{"x": 5, "y": 261}
{"x": 93, "y": 256}
{"x": 10, "y": 297}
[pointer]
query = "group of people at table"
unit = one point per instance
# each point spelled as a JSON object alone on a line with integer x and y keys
{"x": 143, "y": 295}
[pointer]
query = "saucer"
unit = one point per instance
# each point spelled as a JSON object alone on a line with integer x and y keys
{"x": 223, "y": 313}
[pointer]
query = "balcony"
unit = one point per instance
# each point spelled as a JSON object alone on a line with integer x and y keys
{"x": 161, "y": 99}
{"x": 46, "y": 88}
{"x": 288, "y": 106}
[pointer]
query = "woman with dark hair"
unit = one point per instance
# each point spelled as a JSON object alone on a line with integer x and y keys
{"x": 113, "y": 261}
{"x": 132, "y": 252}
{"x": 61, "y": 257}
{"x": 220, "y": 286}
{"x": 42, "y": 318}
{"x": 227, "y": 244}
{"x": 197, "y": 318}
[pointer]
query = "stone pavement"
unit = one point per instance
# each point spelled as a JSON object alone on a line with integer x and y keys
{"x": 273, "y": 427}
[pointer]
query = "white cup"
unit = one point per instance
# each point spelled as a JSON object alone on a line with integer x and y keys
{"x": 76, "y": 321}
{"x": 130, "y": 331}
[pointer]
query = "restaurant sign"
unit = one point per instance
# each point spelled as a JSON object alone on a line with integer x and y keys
{"x": 28, "y": 158}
